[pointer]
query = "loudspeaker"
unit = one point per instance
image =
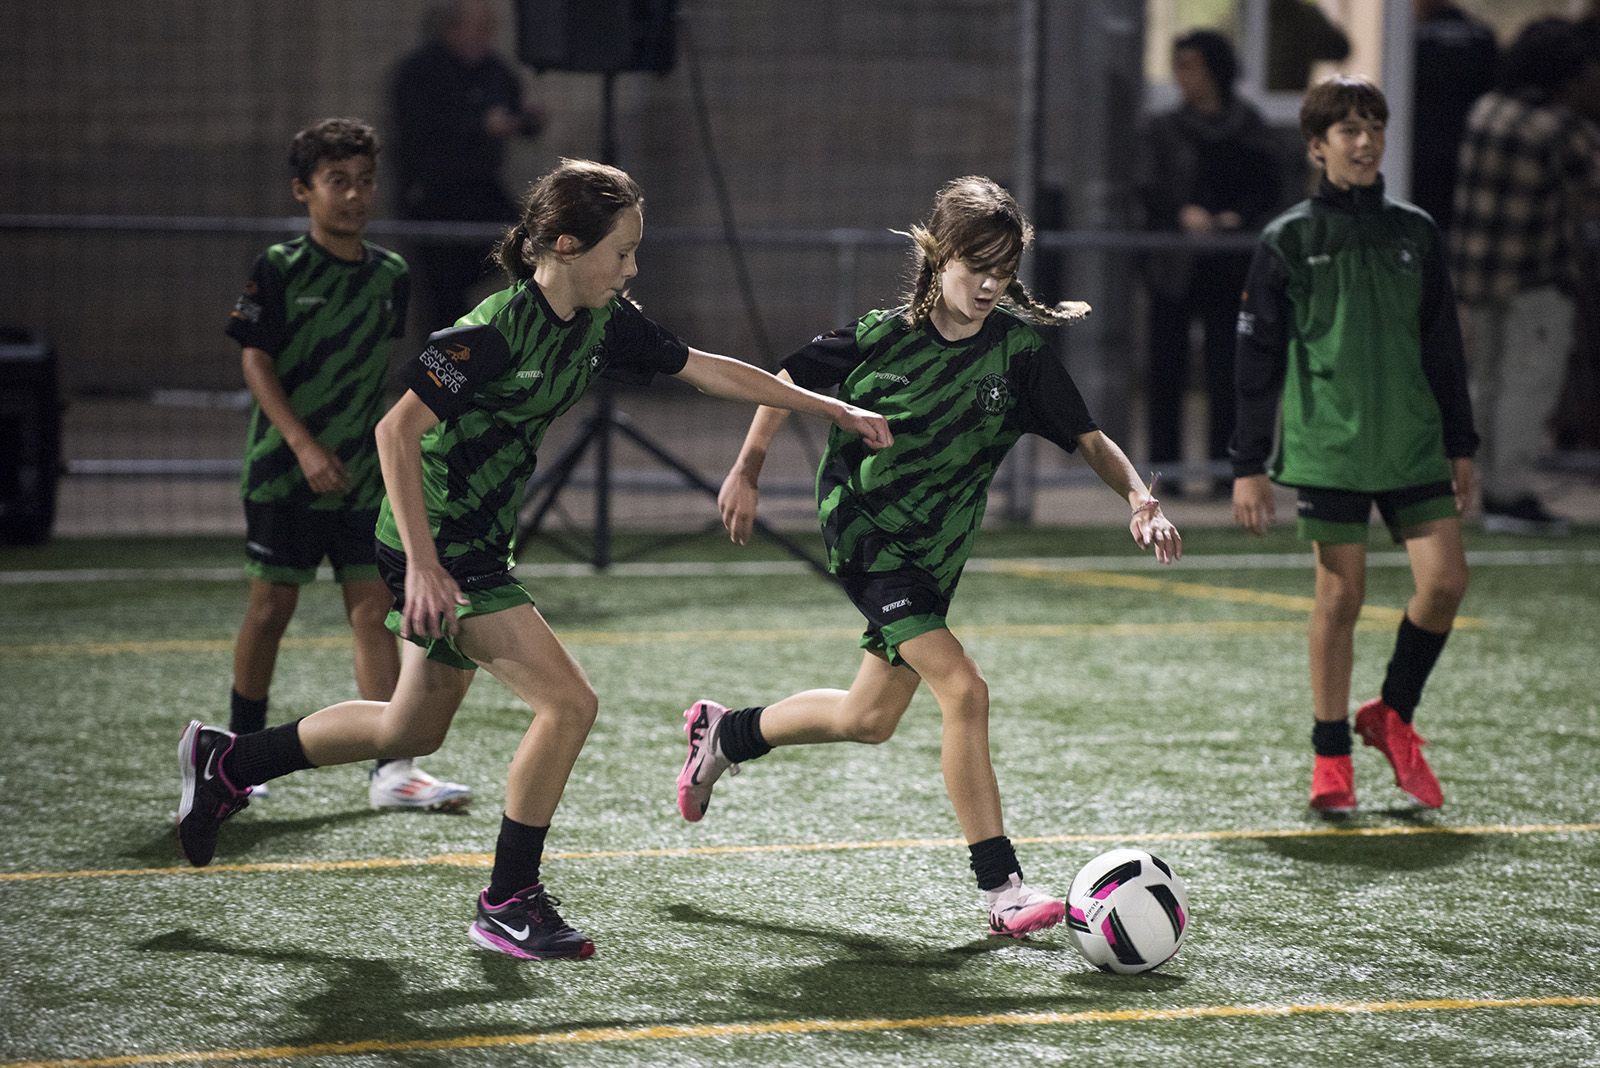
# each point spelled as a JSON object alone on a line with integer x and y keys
{"x": 30, "y": 438}
{"x": 597, "y": 35}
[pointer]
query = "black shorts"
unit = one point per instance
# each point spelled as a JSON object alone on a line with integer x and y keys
{"x": 486, "y": 582}
{"x": 287, "y": 543}
{"x": 898, "y": 606}
{"x": 1340, "y": 517}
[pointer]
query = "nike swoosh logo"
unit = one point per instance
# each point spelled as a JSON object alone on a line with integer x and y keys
{"x": 211, "y": 762}
{"x": 519, "y": 933}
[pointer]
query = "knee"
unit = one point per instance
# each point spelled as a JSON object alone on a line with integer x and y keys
{"x": 368, "y": 614}
{"x": 575, "y": 709}
{"x": 874, "y": 727}
{"x": 1443, "y": 596}
{"x": 413, "y": 739}
{"x": 273, "y": 607}
{"x": 1339, "y": 604}
{"x": 965, "y": 698}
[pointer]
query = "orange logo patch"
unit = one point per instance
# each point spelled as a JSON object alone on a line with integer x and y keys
{"x": 458, "y": 353}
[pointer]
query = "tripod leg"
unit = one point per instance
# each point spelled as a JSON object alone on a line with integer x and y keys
{"x": 693, "y": 478}
{"x": 556, "y": 476}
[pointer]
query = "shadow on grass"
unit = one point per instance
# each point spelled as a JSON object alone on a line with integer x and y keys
{"x": 241, "y": 834}
{"x": 376, "y": 999}
{"x": 868, "y": 977}
{"x": 1432, "y": 847}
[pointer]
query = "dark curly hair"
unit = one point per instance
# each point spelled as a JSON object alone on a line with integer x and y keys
{"x": 330, "y": 139}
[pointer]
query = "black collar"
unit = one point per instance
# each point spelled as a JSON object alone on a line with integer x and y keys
{"x": 1356, "y": 200}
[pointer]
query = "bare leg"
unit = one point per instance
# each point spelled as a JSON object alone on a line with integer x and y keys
{"x": 867, "y": 712}
{"x": 255, "y": 652}
{"x": 1439, "y": 568}
{"x": 518, "y": 647}
{"x": 1340, "y": 590}
{"x": 963, "y": 698}
{"x": 413, "y": 723}
{"x": 377, "y": 653}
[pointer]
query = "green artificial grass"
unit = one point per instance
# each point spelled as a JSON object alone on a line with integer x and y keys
{"x": 823, "y": 912}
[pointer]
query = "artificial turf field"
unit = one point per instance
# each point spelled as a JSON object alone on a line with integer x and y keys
{"x": 823, "y": 912}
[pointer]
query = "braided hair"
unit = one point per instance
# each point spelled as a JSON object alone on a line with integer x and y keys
{"x": 976, "y": 221}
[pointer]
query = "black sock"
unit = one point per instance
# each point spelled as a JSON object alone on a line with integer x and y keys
{"x": 1415, "y": 652}
{"x": 246, "y": 716}
{"x": 516, "y": 859}
{"x": 269, "y": 754}
{"x": 739, "y": 735}
{"x": 1331, "y": 739}
{"x": 376, "y": 764}
{"x": 993, "y": 862}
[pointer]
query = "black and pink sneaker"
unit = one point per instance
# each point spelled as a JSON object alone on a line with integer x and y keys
{"x": 208, "y": 797}
{"x": 526, "y": 925}
{"x": 705, "y": 763}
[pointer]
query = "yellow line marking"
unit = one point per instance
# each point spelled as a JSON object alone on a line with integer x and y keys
{"x": 662, "y": 637}
{"x": 1201, "y": 591}
{"x": 679, "y": 1032}
{"x": 482, "y": 860}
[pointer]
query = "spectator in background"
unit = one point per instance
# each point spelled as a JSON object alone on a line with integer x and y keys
{"x": 1577, "y": 416}
{"x": 1455, "y": 65}
{"x": 1299, "y": 34}
{"x": 1208, "y": 167}
{"x": 1529, "y": 174}
{"x": 456, "y": 104}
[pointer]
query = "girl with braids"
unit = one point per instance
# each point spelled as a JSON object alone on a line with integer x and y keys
{"x": 455, "y": 451}
{"x": 961, "y": 372}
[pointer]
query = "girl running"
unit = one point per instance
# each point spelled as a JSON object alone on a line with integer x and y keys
{"x": 962, "y": 372}
{"x": 455, "y": 451}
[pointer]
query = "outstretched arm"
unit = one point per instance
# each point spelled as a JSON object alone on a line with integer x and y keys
{"x": 1150, "y": 529}
{"x": 735, "y": 380}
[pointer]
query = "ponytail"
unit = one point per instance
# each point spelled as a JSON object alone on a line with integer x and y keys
{"x": 511, "y": 254}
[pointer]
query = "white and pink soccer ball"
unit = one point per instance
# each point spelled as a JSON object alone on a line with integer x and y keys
{"x": 1128, "y": 911}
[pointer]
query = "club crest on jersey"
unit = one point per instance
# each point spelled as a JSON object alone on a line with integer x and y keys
{"x": 994, "y": 394}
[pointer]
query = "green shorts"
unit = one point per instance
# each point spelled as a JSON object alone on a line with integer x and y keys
{"x": 287, "y": 543}
{"x": 898, "y": 605}
{"x": 488, "y": 585}
{"x": 1341, "y": 517}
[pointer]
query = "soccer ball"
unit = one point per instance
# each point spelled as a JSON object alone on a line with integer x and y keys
{"x": 1128, "y": 911}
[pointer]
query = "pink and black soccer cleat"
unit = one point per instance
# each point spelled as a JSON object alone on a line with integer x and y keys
{"x": 705, "y": 762}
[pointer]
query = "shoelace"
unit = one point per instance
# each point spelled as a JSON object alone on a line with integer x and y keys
{"x": 709, "y": 745}
{"x": 543, "y": 906}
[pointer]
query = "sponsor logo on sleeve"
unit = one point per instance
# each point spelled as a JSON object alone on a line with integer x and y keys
{"x": 441, "y": 366}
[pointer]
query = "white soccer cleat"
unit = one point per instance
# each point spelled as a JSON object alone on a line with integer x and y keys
{"x": 401, "y": 784}
{"x": 1016, "y": 910}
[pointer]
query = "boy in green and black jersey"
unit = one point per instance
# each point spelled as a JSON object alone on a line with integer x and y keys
{"x": 1348, "y": 343}
{"x": 314, "y": 323}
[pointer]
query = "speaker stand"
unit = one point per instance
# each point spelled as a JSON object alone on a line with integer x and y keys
{"x": 544, "y": 489}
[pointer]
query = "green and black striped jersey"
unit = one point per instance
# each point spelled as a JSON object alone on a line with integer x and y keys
{"x": 327, "y": 323}
{"x": 955, "y": 408}
{"x": 497, "y": 380}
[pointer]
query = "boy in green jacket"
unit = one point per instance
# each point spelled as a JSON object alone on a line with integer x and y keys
{"x": 1348, "y": 332}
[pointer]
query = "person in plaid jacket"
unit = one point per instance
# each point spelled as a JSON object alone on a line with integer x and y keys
{"x": 1529, "y": 187}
